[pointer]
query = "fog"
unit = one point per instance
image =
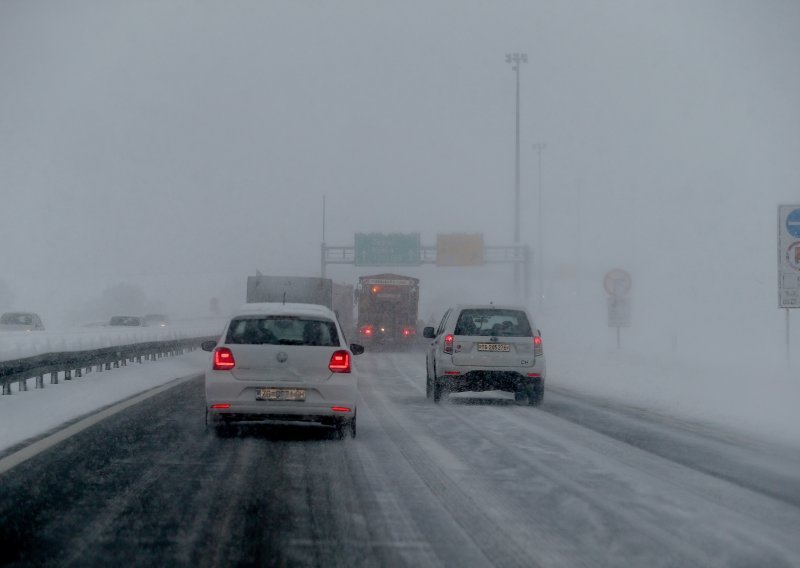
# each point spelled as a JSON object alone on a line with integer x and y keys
{"x": 178, "y": 147}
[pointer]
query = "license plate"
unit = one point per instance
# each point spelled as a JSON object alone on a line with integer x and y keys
{"x": 494, "y": 347}
{"x": 281, "y": 394}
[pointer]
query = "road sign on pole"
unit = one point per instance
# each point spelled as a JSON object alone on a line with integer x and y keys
{"x": 617, "y": 283}
{"x": 382, "y": 249}
{"x": 459, "y": 250}
{"x": 789, "y": 256}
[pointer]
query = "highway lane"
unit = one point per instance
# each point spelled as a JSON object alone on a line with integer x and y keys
{"x": 476, "y": 482}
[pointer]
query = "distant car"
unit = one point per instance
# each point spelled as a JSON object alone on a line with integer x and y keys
{"x": 282, "y": 362}
{"x": 158, "y": 320}
{"x": 483, "y": 348}
{"x": 21, "y": 321}
{"x": 130, "y": 321}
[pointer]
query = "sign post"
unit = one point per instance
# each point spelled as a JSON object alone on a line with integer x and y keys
{"x": 788, "y": 263}
{"x": 617, "y": 284}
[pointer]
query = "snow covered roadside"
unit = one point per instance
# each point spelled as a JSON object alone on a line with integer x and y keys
{"x": 762, "y": 401}
{"x": 27, "y": 415}
{"x": 20, "y": 344}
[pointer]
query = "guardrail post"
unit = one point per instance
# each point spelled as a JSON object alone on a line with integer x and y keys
{"x": 40, "y": 381}
{"x": 67, "y": 375}
{"x": 23, "y": 384}
{"x": 139, "y": 359}
{"x": 124, "y": 362}
{"x": 99, "y": 368}
{"x": 54, "y": 378}
{"x": 78, "y": 373}
{"x": 6, "y": 388}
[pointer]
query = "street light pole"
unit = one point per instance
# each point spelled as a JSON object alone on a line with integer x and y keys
{"x": 540, "y": 229}
{"x": 516, "y": 59}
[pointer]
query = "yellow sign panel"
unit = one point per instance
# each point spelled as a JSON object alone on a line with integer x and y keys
{"x": 459, "y": 250}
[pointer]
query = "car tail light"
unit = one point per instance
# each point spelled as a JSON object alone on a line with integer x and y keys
{"x": 538, "y": 348}
{"x": 340, "y": 408}
{"x": 220, "y": 406}
{"x": 223, "y": 359}
{"x": 448, "y": 343}
{"x": 408, "y": 331}
{"x": 366, "y": 330}
{"x": 340, "y": 362}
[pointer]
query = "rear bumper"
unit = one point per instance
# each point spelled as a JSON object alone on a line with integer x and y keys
{"x": 478, "y": 381}
{"x": 271, "y": 412}
{"x": 318, "y": 406}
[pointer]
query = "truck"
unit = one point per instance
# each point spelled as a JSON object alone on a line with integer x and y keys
{"x": 304, "y": 290}
{"x": 388, "y": 307}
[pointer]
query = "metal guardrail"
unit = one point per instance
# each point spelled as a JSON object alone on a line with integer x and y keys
{"x": 83, "y": 362}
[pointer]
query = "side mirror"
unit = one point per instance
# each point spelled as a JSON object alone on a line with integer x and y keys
{"x": 208, "y": 345}
{"x": 356, "y": 349}
{"x": 428, "y": 333}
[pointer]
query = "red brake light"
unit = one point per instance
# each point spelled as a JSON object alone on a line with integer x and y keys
{"x": 366, "y": 330}
{"x": 223, "y": 359}
{"x": 340, "y": 362}
{"x": 448, "y": 343}
{"x": 538, "y": 348}
{"x": 340, "y": 408}
{"x": 408, "y": 331}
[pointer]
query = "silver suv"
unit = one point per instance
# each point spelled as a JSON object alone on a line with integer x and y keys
{"x": 483, "y": 348}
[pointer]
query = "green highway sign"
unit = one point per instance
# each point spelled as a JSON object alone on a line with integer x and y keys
{"x": 392, "y": 249}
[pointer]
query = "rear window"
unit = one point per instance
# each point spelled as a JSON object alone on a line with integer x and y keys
{"x": 19, "y": 319}
{"x": 283, "y": 330}
{"x": 125, "y": 320}
{"x": 496, "y": 322}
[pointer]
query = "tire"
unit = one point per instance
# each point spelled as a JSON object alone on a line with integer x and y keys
{"x": 428, "y": 385}
{"x": 346, "y": 429}
{"x": 535, "y": 395}
{"x": 438, "y": 390}
{"x": 521, "y": 396}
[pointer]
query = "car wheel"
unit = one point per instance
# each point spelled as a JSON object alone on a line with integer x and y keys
{"x": 345, "y": 428}
{"x": 535, "y": 395}
{"x": 521, "y": 396}
{"x": 428, "y": 385}
{"x": 438, "y": 390}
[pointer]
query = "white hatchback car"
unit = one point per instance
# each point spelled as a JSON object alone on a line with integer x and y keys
{"x": 282, "y": 362}
{"x": 486, "y": 347}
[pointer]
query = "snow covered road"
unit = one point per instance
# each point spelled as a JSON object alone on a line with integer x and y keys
{"x": 478, "y": 481}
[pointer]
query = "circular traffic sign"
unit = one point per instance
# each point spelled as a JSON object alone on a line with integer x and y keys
{"x": 793, "y": 223}
{"x": 617, "y": 282}
{"x": 793, "y": 255}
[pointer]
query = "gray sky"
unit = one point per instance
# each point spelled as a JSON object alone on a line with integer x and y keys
{"x": 169, "y": 143}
